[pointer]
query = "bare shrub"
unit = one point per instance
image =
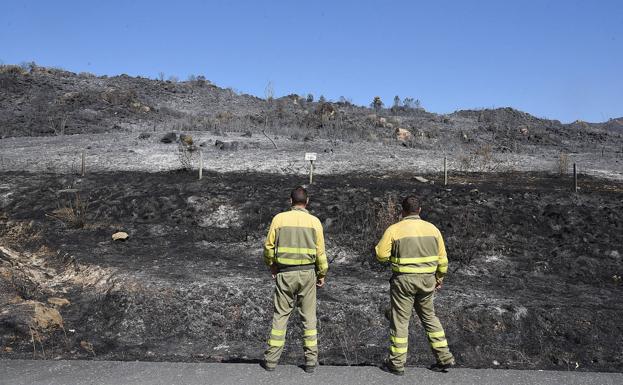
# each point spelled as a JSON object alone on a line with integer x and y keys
{"x": 386, "y": 214}
{"x": 194, "y": 123}
{"x": 465, "y": 162}
{"x": 86, "y": 75}
{"x": 187, "y": 140}
{"x": 19, "y": 233}
{"x": 484, "y": 156}
{"x": 72, "y": 212}
{"x": 224, "y": 117}
{"x": 12, "y": 69}
{"x": 187, "y": 154}
{"x": 58, "y": 124}
{"x": 30, "y": 66}
{"x": 201, "y": 81}
{"x": 269, "y": 91}
{"x": 562, "y": 164}
{"x": 383, "y": 215}
{"x": 344, "y": 101}
{"x": 482, "y": 159}
{"x": 368, "y": 223}
{"x": 377, "y": 103}
{"x": 325, "y": 112}
{"x": 118, "y": 97}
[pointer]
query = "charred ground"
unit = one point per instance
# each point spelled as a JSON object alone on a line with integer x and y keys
{"x": 532, "y": 284}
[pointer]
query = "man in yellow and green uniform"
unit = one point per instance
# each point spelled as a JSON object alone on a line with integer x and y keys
{"x": 417, "y": 254}
{"x": 294, "y": 251}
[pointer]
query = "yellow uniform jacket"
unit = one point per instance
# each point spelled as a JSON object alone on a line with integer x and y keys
{"x": 413, "y": 246}
{"x": 296, "y": 238}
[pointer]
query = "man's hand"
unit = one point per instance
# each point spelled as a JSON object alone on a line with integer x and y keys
{"x": 274, "y": 269}
{"x": 320, "y": 282}
{"x": 439, "y": 284}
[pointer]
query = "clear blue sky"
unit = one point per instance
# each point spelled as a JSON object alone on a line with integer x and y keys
{"x": 556, "y": 59}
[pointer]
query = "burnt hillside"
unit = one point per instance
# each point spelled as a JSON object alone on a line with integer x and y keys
{"x": 38, "y": 101}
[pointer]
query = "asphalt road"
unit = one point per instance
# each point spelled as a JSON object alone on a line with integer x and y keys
{"x": 18, "y": 372}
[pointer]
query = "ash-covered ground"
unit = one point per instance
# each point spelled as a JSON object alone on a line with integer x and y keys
{"x": 535, "y": 277}
{"x": 534, "y": 282}
{"x": 236, "y": 152}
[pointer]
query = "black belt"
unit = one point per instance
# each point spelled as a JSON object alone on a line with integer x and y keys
{"x": 286, "y": 268}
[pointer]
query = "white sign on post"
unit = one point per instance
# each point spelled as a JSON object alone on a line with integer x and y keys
{"x": 311, "y": 157}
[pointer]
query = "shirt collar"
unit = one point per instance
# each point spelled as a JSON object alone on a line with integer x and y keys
{"x": 414, "y": 216}
{"x": 300, "y": 209}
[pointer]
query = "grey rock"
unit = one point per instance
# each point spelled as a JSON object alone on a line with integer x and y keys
{"x": 171, "y": 137}
{"x": 227, "y": 146}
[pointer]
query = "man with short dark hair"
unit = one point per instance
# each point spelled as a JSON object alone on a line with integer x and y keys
{"x": 417, "y": 253}
{"x": 294, "y": 251}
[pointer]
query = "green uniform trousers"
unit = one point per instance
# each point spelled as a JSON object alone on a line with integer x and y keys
{"x": 408, "y": 291}
{"x": 294, "y": 288}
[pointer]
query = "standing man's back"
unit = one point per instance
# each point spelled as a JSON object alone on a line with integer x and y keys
{"x": 294, "y": 251}
{"x": 417, "y": 253}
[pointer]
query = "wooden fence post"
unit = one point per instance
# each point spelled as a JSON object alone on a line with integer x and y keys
{"x": 83, "y": 172}
{"x": 200, "y": 164}
{"x": 575, "y": 179}
{"x": 445, "y": 170}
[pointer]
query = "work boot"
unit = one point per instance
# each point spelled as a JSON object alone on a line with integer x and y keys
{"x": 266, "y": 367}
{"x": 441, "y": 368}
{"x": 309, "y": 368}
{"x": 389, "y": 368}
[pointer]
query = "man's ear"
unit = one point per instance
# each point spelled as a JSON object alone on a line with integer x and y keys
{"x": 307, "y": 201}
{"x": 290, "y": 201}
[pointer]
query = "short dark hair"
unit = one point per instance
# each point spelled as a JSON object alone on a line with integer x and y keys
{"x": 410, "y": 204}
{"x": 298, "y": 196}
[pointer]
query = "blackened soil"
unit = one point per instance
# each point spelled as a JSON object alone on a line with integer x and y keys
{"x": 534, "y": 268}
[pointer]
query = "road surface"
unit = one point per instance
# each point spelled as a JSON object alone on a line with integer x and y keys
{"x": 24, "y": 372}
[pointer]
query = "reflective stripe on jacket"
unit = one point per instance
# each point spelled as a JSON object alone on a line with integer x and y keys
{"x": 413, "y": 246}
{"x": 296, "y": 238}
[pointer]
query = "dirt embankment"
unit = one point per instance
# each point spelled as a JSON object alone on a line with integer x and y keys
{"x": 534, "y": 279}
